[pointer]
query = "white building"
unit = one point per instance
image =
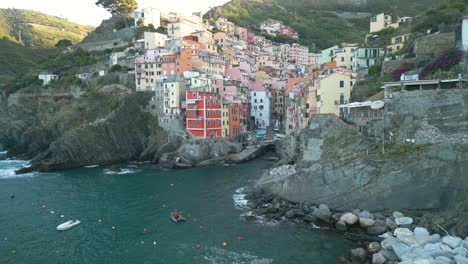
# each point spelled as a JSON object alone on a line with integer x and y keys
{"x": 260, "y": 107}
{"x": 148, "y": 15}
{"x": 47, "y": 78}
{"x": 115, "y": 56}
{"x": 154, "y": 40}
{"x": 185, "y": 26}
{"x": 366, "y": 57}
{"x": 271, "y": 27}
{"x": 299, "y": 54}
{"x": 344, "y": 55}
{"x": 167, "y": 102}
{"x": 327, "y": 55}
{"x": 465, "y": 33}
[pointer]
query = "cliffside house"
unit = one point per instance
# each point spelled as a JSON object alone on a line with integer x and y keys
{"x": 332, "y": 91}
{"x": 398, "y": 42}
{"x": 47, "y": 77}
{"x": 203, "y": 114}
{"x": 382, "y": 21}
{"x": 148, "y": 16}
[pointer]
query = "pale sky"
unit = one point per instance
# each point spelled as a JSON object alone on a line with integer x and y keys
{"x": 87, "y": 13}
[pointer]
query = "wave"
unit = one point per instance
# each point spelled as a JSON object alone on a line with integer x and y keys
{"x": 92, "y": 166}
{"x": 3, "y": 152}
{"x": 240, "y": 200}
{"x": 120, "y": 171}
{"x": 8, "y": 168}
{"x": 217, "y": 255}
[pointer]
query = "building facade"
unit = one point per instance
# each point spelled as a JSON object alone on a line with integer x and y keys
{"x": 203, "y": 114}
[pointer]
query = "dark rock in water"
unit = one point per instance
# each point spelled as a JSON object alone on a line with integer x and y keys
{"x": 380, "y": 223}
{"x": 322, "y": 213}
{"x": 294, "y": 213}
{"x": 391, "y": 224}
{"x": 341, "y": 225}
{"x": 336, "y": 217}
{"x": 272, "y": 210}
{"x": 268, "y": 198}
{"x": 373, "y": 247}
{"x": 260, "y": 211}
{"x": 366, "y": 214}
{"x": 310, "y": 218}
{"x": 389, "y": 254}
{"x": 359, "y": 254}
{"x": 379, "y": 217}
{"x": 377, "y": 230}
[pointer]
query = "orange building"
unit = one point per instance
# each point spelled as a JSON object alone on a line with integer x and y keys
{"x": 234, "y": 119}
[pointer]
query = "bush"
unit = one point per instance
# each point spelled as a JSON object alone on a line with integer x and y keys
{"x": 446, "y": 61}
{"x": 63, "y": 43}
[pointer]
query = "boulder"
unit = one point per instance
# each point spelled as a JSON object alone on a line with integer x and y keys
{"x": 376, "y": 230}
{"x": 340, "y": 225}
{"x": 378, "y": 222}
{"x": 403, "y": 221}
{"x": 373, "y": 247}
{"x": 359, "y": 254}
{"x": 379, "y": 217}
{"x": 349, "y": 219}
{"x": 389, "y": 242}
{"x": 402, "y": 232}
{"x": 336, "y": 217}
{"x": 397, "y": 214}
{"x": 378, "y": 258}
{"x": 366, "y": 222}
{"x": 461, "y": 251}
{"x": 400, "y": 249}
{"x": 310, "y": 218}
{"x": 356, "y": 211}
{"x": 421, "y": 233}
{"x": 461, "y": 260}
{"x": 365, "y": 214}
{"x": 465, "y": 243}
{"x": 322, "y": 213}
{"x": 294, "y": 213}
{"x": 391, "y": 224}
{"x": 389, "y": 255}
{"x": 452, "y": 241}
{"x": 435, "y": 238}
{"x": 442, "y": 260}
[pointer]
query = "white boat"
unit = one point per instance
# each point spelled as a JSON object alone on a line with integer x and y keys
{"x": 67, "y": 225}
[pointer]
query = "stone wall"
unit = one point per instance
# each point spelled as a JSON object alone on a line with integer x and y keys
{"x": 434, "y": 45}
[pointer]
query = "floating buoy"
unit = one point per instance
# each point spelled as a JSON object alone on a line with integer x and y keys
{"x": 142, "y": 242}
{"x": 43, "y": 206}
{"x": 52, "y": 212}
{"x": 62, "y": 216}
{"x": 13, "y": 252}
{"x": 154, "y": 243}
{"x": 172, "y": 185}
{"x": 224, "y": 244}
{"x": 239, "y": 238}
{"x": 113, "y": 227}
{"x": 198, "y": 246}
{"x": 144, "y": 230}
{"x": 99, "y": 220}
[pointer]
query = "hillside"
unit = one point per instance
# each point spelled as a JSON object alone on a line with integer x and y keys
{"x": 319, "y": 22}
{"x": 39, "y": 30}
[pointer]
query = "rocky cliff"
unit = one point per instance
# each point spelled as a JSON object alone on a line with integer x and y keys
{"x": 104, "y": 126}
{"x": 336, "y": 165}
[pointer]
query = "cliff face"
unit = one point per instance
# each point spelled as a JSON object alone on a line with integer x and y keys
{"x": 338, "y": 166}
{"x": 102, "y": 127}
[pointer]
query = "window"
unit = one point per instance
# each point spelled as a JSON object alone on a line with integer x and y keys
{"x": 341, "y": 84}
{"x": 342, "y": 59}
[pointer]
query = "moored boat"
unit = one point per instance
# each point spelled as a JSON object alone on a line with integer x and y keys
{"x": 67, "y": 225}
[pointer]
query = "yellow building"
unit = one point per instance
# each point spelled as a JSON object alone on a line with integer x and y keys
{"x": 380, "y": 22}
{"x": 332, "y": 91}
{"x": 398, "y": 42}
{"x": 225, "y": 119}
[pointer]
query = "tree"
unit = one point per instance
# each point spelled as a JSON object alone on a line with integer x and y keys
{"x": 122, "y": 7}
{"x": 63, "y": 43}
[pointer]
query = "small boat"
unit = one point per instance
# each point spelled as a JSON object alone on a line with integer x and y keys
{"x": 179, "y": 220}
{"x": 67, "y": 225}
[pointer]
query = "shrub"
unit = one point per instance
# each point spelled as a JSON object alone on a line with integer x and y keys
{"x": 446, "y": 61}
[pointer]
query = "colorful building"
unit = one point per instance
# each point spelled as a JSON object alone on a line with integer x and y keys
{"x": 203, "y": 114}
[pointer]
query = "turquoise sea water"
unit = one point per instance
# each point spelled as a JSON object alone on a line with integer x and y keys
{"x": 134, "y": 207}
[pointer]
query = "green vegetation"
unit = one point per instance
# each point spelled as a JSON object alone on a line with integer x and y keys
{"x": 318, "y": 22}
{"x": 447, "y": 13}
{"x": 17, "y": 60}
{"x": 63, "y": 43}
{"x": 38, "y": 30}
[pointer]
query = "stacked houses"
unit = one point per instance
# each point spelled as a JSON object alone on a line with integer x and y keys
{"x": 234, "y": 81}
